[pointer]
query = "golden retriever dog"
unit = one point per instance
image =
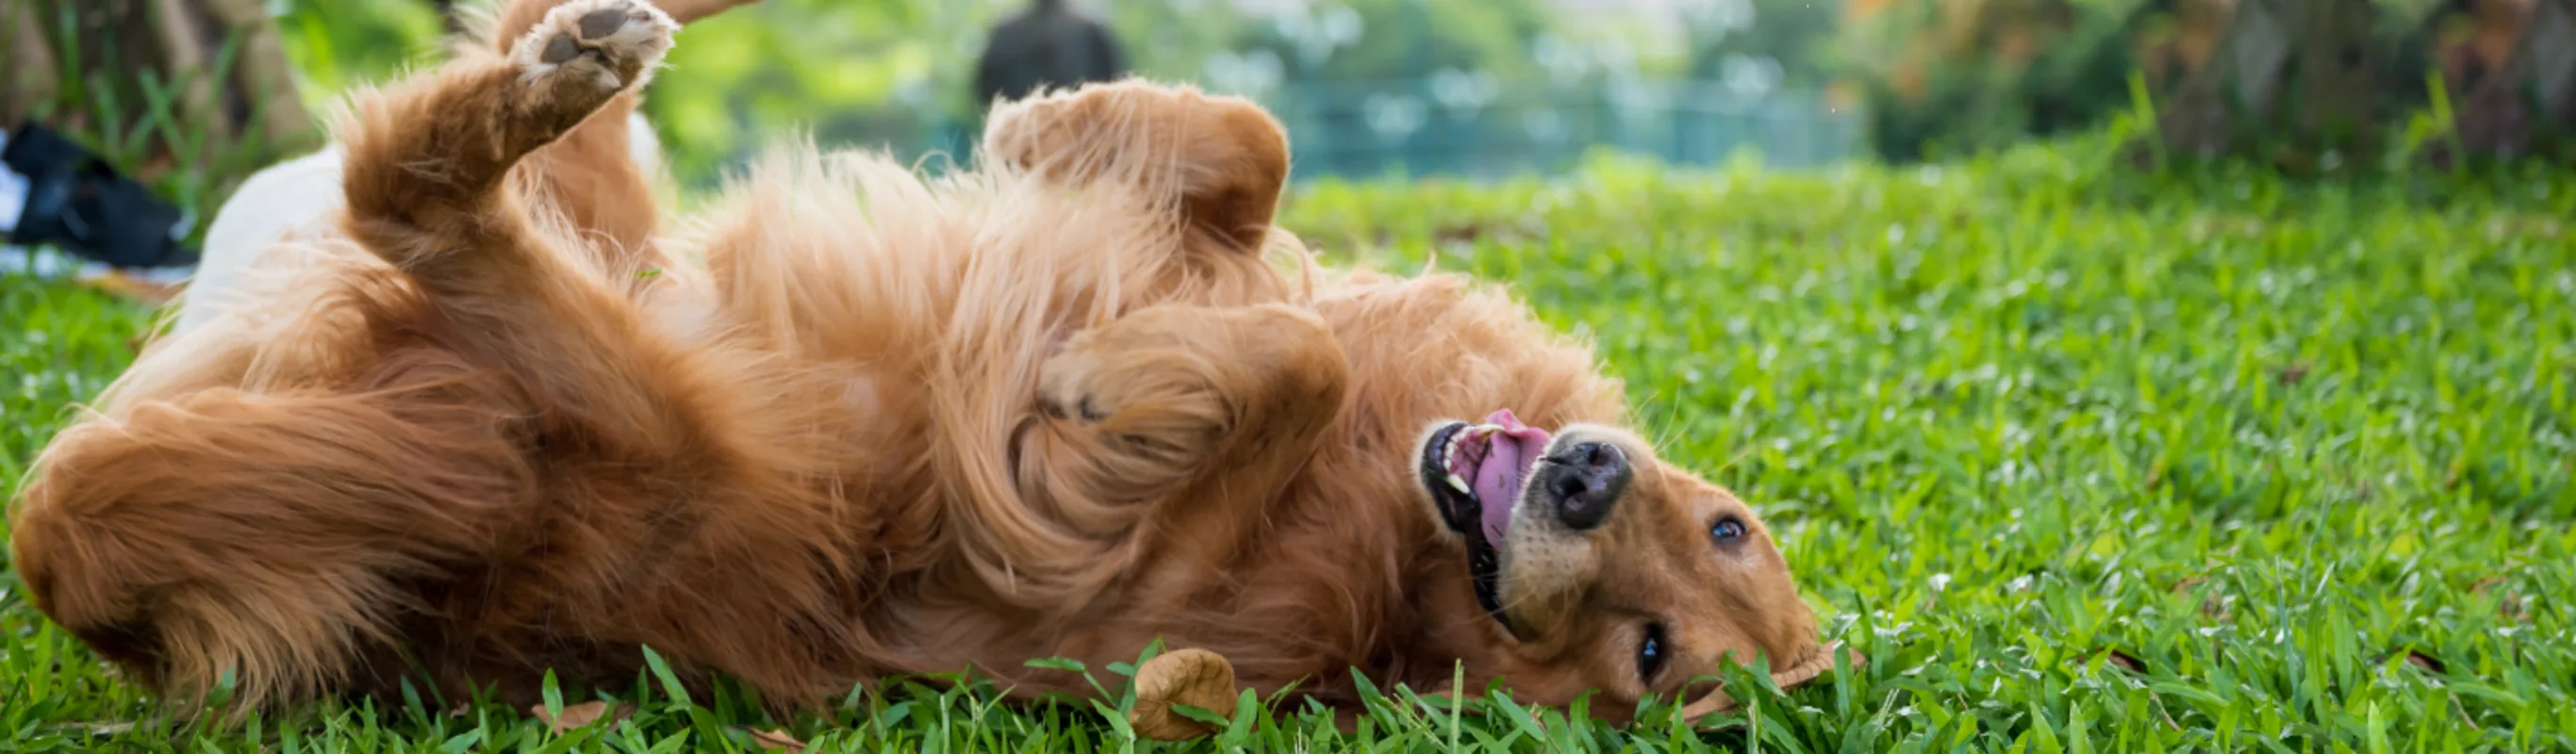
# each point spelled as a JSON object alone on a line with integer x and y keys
{"x": 855, "y": 422}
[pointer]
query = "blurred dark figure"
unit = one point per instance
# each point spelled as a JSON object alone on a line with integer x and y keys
{"x": 76, "y": 201}
{"x": 1049, "y": 45}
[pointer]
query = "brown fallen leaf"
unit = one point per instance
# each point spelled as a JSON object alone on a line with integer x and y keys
{"x": 577, "y": 715}
{"x": 2213, "y": 606}
{"x": 1194, "y": 677}
{"x": 2293, "y": 374}
{"x": 2213, "y": 602}
{"x": 777, "y": 740}
{"x": 2122, "y": 660}
{"x": 2510, "y": 607}
{"x": 2425, "y": 661}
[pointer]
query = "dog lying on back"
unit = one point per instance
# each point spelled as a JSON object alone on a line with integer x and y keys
{"x": 854, "y": 423}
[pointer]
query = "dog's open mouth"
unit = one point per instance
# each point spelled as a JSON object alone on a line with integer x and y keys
{"x": 1474, "y": 473}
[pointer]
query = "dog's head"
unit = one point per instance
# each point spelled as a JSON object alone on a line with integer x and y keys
{"x": 1607, "y": 568}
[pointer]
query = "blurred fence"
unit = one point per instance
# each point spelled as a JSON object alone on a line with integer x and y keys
{"x": 1458, "y": 126}
{"x": 1481, "y": 128}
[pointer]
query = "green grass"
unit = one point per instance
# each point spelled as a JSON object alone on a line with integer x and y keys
{"x": 2079, "y": 464}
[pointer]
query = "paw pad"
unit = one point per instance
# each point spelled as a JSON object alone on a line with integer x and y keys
{"x": 559, "y": 49}
{"x": 616, "y": 42}
{"x": 601, "y": 23}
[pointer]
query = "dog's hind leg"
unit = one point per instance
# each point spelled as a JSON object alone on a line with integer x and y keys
{"x": 1221, "y": 161}
{"x": 268, "y": 538}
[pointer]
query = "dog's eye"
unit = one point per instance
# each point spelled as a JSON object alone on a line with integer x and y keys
{"x": 1728, "y": 529}
{"x": 1650, "y": 654}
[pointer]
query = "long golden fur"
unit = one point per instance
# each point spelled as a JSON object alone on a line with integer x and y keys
{"x": 853, "y": 422}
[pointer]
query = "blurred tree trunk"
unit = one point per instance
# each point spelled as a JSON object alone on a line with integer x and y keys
{"x": 110, "y": 67}
{"x": 2229, "y": 74}
{"x": 31, "y": 77}
{"x": 2339, "y": 80}
{"x": 2510, "y": 68}
{"x": 2548, "y": 61}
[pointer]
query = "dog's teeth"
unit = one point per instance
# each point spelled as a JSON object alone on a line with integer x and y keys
{"x": 1459, "y": 483}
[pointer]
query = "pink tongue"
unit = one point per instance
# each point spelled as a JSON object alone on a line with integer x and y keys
{"x": 1507, "y": 462}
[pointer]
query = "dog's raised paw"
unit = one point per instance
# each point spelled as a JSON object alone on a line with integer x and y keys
{"x": 614, "y": 44}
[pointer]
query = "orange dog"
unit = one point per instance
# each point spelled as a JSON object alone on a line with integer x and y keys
{"x": 857, "y": 423}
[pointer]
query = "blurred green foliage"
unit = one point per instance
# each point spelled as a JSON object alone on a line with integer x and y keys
{"x": 1794, "y": 35}
{"x": 845, "y": 72}
{"x": 827, "y": 67}
{"x": 895, "y": 73}
{"x": 1401, "y": 38}
{"x": 1947, "y": 78}
{"x": 1928, "y": 95}
{"x": 337, "y": 44}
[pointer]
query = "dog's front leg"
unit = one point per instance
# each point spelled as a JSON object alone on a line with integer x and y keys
{"x": 429, "y": 192}
{"x": 428, "y": 160}
{"x": 590, "y": 174}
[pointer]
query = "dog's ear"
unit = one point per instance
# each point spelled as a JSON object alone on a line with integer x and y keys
{"x": 1221, "y": 159}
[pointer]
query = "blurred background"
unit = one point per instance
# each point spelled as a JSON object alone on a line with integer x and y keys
{"x": 186, "y": 96}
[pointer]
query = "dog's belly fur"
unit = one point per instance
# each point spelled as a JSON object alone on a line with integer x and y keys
{"x": 1317, "y": 588}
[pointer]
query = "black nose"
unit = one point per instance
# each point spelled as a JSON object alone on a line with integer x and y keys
{"x": 1584, "y": 482}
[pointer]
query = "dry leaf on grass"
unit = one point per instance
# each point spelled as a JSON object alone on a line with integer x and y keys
{"x": 2214, "y": 607}
{"x": 777, "y": 740}
{"x": 577, "y": 715}
{"x": 2213, "y": 602}
{"x": 2425, "y": 661}
{"x": 2510, "y": 607}
{"x": 2293, "y": 374}
{"x": 1194, "y": 677}
{"x": 2122, "y": 660}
